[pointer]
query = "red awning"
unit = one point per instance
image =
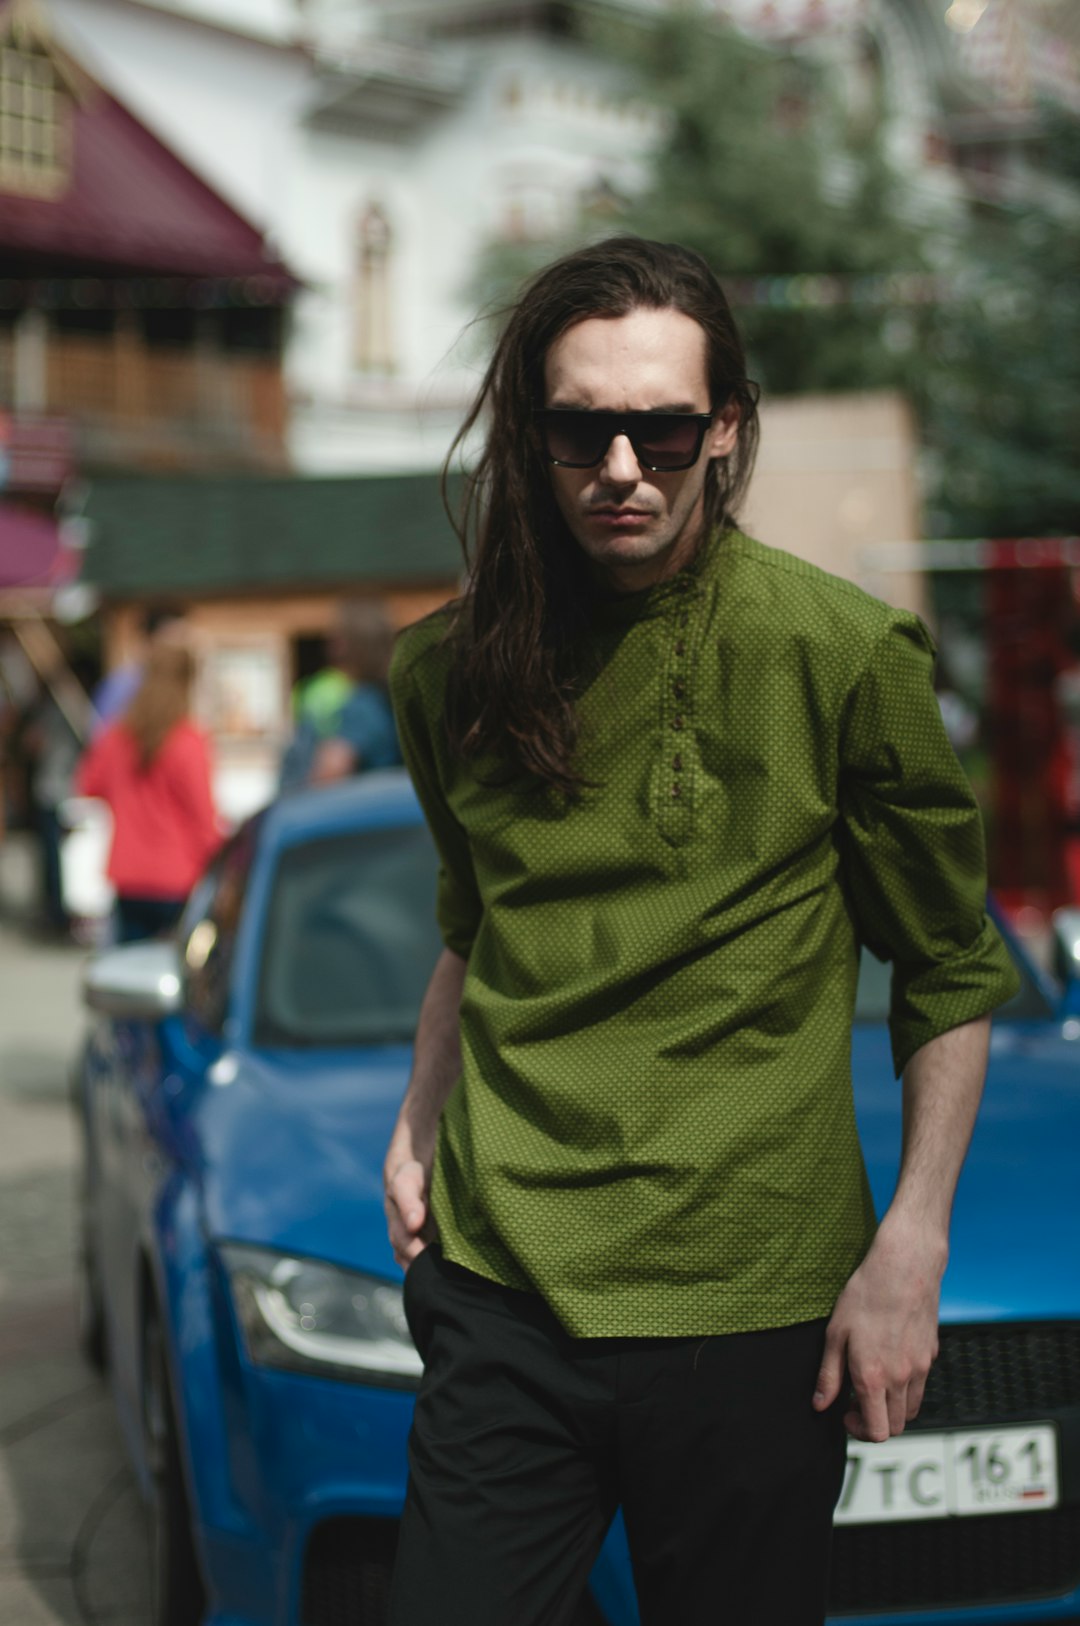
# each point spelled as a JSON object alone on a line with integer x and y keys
{"x": 32, "y": 552}
{"x": 134, "y": 205}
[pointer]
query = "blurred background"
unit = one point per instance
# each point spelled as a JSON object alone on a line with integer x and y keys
{"x": 243, "y": 244}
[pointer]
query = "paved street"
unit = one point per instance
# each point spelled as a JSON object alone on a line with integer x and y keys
{"x": 73, "y": 1537}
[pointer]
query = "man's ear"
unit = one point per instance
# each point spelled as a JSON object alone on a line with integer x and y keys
{"x": 725, "y": 431}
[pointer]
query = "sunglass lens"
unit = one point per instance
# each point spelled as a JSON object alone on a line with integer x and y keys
{"x": 577, "y": 438}
{"x": 664, "y": 441}
{"x": 661, "y": 440}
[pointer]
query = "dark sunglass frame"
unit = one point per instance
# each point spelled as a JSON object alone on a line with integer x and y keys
{"x": 634, "y": 425}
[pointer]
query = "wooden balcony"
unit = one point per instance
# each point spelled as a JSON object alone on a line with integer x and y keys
{"x": 135, "y": 406}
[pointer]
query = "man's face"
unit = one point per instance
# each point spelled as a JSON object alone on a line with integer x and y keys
{"x": 636, "y": 526}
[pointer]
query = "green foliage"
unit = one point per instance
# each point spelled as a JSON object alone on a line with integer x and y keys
{"x": 760, "y": 173}
{"x": 999, "y": 398}
{"x": 765, "y": 175}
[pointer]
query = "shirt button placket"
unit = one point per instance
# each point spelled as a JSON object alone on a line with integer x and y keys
{"x": 678, "y": 716}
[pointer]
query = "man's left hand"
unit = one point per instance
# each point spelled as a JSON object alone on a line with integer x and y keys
{"x": 884, "y": 1333}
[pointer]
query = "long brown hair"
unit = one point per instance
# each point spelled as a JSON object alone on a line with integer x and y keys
{"x": 162, "y": 699}
{"x": 519, "y": 629}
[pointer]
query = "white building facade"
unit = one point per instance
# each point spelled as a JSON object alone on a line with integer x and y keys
{"x": 379, "y": 168}
{"x": 382, "y": 145}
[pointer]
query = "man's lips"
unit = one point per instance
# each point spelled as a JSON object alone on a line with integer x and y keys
{"x": 619, "y": 516}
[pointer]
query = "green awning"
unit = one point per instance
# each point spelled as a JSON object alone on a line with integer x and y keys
{"x": 201, "y": 535}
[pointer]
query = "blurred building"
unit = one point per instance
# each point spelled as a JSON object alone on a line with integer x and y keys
{"x": 381, "y": 150}
{"x": 141, "y": 316}
{"x": 259, "y": 563}
{"x": 141, "y": 324}
{"x": 255, "y": 453}
{"x": 382, "y": 143}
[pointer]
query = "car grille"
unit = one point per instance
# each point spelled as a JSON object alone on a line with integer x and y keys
{"x": 935, "y": 1563}
{"x": 347, "y": 1572}
{"x": 347, "y": 1575}
{"x": 983, "y": 1375}
{"x": 988, "y": 1374}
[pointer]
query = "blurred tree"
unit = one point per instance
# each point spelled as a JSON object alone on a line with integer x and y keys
{"x": 764, "y": 174}
{"x": 999, "y": 395}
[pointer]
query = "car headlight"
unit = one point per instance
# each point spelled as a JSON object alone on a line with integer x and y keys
{"x": 310, "y": 1316}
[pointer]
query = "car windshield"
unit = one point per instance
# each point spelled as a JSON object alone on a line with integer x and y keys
{"x": 351, "y": 940}
{"x": 872, "y": 999}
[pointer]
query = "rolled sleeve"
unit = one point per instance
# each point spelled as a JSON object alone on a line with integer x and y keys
{"x": 458, "y": 903}
{"x": 912, "y": 848}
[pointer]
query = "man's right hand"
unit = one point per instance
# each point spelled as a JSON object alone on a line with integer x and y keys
{"x": 406, "y": 1210}
{"x": 411, "y": 1154}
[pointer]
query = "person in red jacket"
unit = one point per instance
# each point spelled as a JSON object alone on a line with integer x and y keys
{"x": 152, "y": 766}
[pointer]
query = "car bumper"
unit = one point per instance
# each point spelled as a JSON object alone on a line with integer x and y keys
{"x": 308, "y": 1459}
{"x": 302, "y": 1525}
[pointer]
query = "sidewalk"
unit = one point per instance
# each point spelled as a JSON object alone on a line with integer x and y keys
{"x": 73, "y": 1543}
{"x": 40, "y": 1027}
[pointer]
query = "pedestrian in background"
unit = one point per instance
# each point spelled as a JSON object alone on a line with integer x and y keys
{"x": 53, "y": 729}
{"x": 118, "y": 688}
{"x": 344, "y": 721}
{"x": 153, "y": 769}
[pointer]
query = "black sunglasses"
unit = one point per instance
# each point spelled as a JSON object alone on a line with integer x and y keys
{"x": 578, "y": 439}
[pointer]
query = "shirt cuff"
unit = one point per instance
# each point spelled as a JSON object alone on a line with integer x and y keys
{"x": 930, "y": 999}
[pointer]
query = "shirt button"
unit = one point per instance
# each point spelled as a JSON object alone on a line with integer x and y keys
{"x": 676, "y": 721}
{"x": 684, "y": 620}
{"x": 676, "y": 790}
{"x": 680, "y": 647}
{"x": 680, "y": 688}
{"x": 676, "y": 762}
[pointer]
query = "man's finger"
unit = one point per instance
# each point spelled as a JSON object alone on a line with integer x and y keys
{"x": 871, "y": 1414}
{"x": 896, "y": 1406}
{"x": 916, "y": 1390}
{"x": 831, "y": 1374}
{"x": 405, "y": 1195}
{"x": 408, "y": 1252}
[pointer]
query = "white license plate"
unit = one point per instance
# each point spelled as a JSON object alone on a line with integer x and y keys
{"x": 933, "y": 1476}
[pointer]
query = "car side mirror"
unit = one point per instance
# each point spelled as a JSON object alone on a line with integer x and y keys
{"x": 1066, "y": 923}
{"x": 137, "y": 982}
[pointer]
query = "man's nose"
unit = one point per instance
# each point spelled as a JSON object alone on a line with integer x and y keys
{"x": 620, "y": 465}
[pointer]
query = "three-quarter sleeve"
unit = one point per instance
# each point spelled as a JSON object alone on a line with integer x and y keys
{"x": 912, "y": 847}
{"x": 458, "y": 903}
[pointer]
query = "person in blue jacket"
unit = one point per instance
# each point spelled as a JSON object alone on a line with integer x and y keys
{"x": 344, "y": 721}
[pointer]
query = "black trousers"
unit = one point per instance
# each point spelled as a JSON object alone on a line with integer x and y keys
{"x": 526, "y": 1440}
{"x": 139, "y": 918}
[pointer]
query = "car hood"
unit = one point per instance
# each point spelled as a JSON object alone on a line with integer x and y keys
{"x": 291, "y": 1146}
{"x": 1015, "y": 1237}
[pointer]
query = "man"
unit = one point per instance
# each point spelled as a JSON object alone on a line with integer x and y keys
{"x": 344, "y": 724}
{"x": 675, "y": 778}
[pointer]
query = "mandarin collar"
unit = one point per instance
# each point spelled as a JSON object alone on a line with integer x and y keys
{"x": 619, "y": 608}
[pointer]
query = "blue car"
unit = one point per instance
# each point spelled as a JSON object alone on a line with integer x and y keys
{"x": 239, "y": 1088}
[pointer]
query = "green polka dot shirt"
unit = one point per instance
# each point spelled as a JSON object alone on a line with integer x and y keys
{"x": 654, "y": 1127}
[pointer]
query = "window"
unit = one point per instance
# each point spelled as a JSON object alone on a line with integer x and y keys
{"x": 373, "y": 343}
{"x": 351, "y": 940}
{"x": 208, "y": 928}
{"x": 35, "y": 115}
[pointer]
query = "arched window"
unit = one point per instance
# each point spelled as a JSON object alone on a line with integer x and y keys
{"x": 35, "y": 114}
{"x": 373, "y": 339}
